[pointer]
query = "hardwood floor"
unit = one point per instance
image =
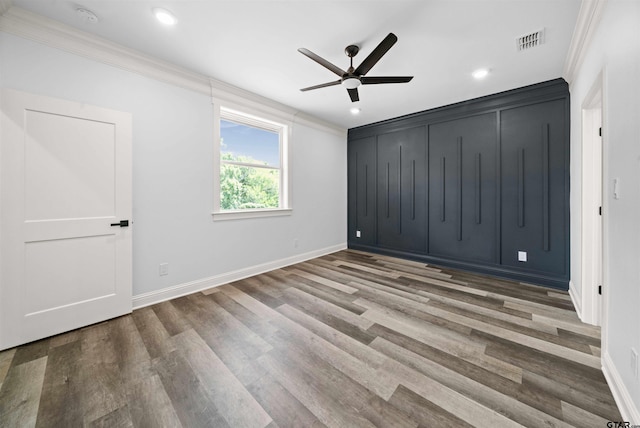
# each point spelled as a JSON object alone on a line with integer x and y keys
{"x": 345, "y": 340}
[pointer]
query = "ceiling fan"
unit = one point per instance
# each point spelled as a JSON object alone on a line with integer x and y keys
{"x": 352, "y": 78}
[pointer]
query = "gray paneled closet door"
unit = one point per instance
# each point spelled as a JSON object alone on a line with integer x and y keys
{"x": 362, "y": 190}
{"x": 402, "y": 190}
{"x": 462, "y": 188}
{"x": 533, "y": 191}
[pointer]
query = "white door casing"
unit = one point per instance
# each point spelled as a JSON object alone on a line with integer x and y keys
{"x": 593, "y": 260}
{"x": 65, "y": 177}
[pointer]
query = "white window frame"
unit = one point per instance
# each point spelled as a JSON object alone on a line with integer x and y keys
{"x": 261, "y": 120}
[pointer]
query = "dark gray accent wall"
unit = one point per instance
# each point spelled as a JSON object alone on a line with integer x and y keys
{"x": 462, "y": 185}
{"x": 533, "y": 194}
{"x": 362, "y": 189}
{"x": 470, "y": 185}
{"x": 402, "y": 190}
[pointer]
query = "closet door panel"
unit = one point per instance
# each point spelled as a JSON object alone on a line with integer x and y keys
{"x": 462, "y": 189}
{"x": 402, "y": 190}
{"x": 362, "y": 191}
{"x": 533, "y": 190}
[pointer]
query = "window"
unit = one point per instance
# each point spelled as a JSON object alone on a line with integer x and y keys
{"x": 251, "y": 165}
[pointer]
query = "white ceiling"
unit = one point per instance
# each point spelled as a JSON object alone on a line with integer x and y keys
{"x": 253, "y": 44}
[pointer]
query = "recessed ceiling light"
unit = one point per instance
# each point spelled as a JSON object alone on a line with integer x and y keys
{"x": 355, "y": 110}
{"x": 164, "y": 16}
{"x": 480, "y": 73}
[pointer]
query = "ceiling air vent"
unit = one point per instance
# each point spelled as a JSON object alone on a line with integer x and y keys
{"x": 530, "y": 40}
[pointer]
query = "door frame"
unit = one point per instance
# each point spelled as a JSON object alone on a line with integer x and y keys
{"x": 594, "y": 260}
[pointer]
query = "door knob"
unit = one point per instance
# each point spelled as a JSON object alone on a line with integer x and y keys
{"x": 121, "y": 223}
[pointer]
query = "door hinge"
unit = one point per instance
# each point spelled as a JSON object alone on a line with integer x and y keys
{"x": 600, "y": 289}
{"x": 600, "y": 210}
{"x": 600, "y": 132}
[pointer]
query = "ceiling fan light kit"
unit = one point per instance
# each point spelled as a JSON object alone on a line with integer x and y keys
{"x": 354, "y": 77}
{"x": 351, "y": 82}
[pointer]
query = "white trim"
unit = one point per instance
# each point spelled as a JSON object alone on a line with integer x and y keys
{"x": 319, "y": 124}
{"x": 241, "y": 101}
{"x": 153, "y": 297}
{"x": 35, "y": 27}
{"x": 215, "y": 197}
{"x": 237, "y": 215}
{"x": 604, "y": 309}
{"x": 575, "y": 299}
{"x": 591, "y": 180}
{"x": 258, "y": 121}
{"x": 267, "y": 121}
{"x": 588, "y": 18}
{"x": 620, "y": 393}
{"x": 32, "y": 26}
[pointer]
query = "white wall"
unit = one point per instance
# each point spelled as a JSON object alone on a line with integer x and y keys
{"x": 173, "y": 174}
{"x": 615, "y": 51}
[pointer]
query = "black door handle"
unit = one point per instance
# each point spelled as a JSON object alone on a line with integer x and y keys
{"x": 121, "y": 223}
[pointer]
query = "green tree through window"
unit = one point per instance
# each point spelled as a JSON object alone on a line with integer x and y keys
{"x": 245, "y": 187}
{"x": 252, "y": 157}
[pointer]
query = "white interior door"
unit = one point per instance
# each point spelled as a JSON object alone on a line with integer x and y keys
{"x": 65, "y": 178}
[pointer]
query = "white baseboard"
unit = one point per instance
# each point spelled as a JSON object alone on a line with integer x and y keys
{"x": 153, "y": 297}
{"x": 575, "y": 299}
{"x": 621, "y": 394}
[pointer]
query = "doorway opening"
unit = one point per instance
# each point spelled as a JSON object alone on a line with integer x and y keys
{"x": 593, "y": 211}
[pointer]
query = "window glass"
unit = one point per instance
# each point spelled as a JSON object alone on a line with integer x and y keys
{"x": 252, "y": 166}
{"x": 249, "y": 144}
{"x": 243, "y": 187}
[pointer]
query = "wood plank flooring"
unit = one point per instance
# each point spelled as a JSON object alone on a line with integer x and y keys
{"x": 346, "y": 340}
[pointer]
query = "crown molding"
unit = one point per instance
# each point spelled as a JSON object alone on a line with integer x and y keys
{"x": 32, "y": 26}
{"x": 35, "y": 27}
{"x": 233, "y": 96}
{"x": 588, "y": 19}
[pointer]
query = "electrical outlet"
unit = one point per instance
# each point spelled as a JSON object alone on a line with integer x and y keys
{"x": 164, "y": 269}
{"x": 358, "y": 234}
{"x": 634, "y": 362}
{"x": 522, "y": 256}
{"x": 295, "y": 243}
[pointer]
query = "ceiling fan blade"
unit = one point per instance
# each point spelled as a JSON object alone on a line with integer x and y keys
{"x": 323, "y": 62}
{"x": 386, "y": 79}
{"x": 353, "y": 93}
{"x": 322, "y": 85}
{"x": 377, "y": 53}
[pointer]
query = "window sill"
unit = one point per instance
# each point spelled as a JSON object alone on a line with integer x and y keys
{"x": 238, "y": 215}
